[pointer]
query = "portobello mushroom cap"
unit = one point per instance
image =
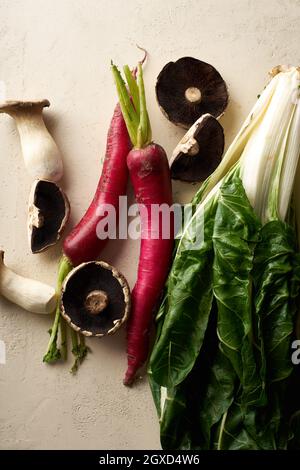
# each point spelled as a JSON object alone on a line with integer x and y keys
{"x": 48, "y": 213}
{"x": 95, "y": 299}
{"x": 199, "y": 152}
{"x": 188, "y": 88}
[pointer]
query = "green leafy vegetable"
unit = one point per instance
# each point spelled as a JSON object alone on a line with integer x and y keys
{"x": 236, "y": 233}
{"x": 188, "y": 412}
{"x": 276, "y": 280}
{"x": 220, "y": 371}
{"x": 183, "y": 331}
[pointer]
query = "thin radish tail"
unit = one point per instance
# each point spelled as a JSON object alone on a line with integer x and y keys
{"x": 134, "y": 363}
{"x": 138, "y": 337}
{"x": 130, "y": 373}
{"x": 134, "y": 71}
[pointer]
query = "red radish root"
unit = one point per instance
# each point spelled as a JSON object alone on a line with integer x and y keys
{"x": 83, "y": 244}
{"x": 150, "y": 176}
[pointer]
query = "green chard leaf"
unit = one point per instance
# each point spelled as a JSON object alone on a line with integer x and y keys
{"x": 292, "y": 409}
{"x": 187, "y": 303}
{"x": 276, "y": 288}
{"x": 162, "y": 311}
{"x": 236, "y": 233}
{"x": 230, "y": 433}
{"x": 276, "y": 276}
{"x": 218, "y": 397}
{"x": 188, "y": 411}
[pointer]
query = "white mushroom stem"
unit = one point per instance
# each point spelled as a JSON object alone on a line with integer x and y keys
{"x": 35, "y": 218}
{"x": 41, "y": 155}
{"x": 96, "y": 301}
{"x": 29, "y": 294}
{"x": 193, "y": 95}
{"x": 188, "y": 144}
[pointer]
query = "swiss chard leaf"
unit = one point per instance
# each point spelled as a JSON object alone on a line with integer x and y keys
{"x": 188, "y": 302}
{"x": 276, "y": 281}
{"x": 231, "y": 434}
{"x": 276, "y": 276}
{"x": 218, "y": 397}
{"x": 292, "y": 411}
{"x": 236, "y": 233}
{"x": 190, "y": 410}
{"x": 197, "y": 199}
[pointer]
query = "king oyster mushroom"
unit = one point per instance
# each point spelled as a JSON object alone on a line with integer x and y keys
{"x": 43, "y": 161}
{"x": 95, "y": 299}
{"x": 199, "y": 152}
{"x": 188, "y": 88}
{"x": 34, "y": 296}
{"x": 41, "y": 155}
{"x": 48, "y": 214}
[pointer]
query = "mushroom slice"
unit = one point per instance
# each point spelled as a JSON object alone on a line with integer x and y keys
{"x": 48, "y": 213}
{"x": 199, "y": 152}
{"x": 95, "y": 299}
{"x": 188, "y": 88}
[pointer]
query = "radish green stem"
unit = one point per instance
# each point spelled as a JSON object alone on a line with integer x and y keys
{"x": 128, "y": 110}
{"x": 63, "y": 339}
{"x": 144, "y": 119}
{"x": 74, "y": 340}
{"x": 53, "y": 352}
{"x": 133, "y": 88}
{"x": 79, "y": 350}
{"x": 135, "y": 114}
{"x": 74, "y": 351}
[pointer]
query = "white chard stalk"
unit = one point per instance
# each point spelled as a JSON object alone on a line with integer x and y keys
{"x": 236, "y": 148}
{"x": 290, "y": 165}
{"x": 269, "y": 160}
{"x": 31, "y": 295}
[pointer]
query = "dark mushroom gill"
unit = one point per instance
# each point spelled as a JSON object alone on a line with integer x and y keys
{"x": 188, "y": 72}
{"x": 88, "y": 278}
{"x": 54, "y": 209}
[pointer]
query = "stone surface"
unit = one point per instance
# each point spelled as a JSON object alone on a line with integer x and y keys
{"x": 61, "y": 50}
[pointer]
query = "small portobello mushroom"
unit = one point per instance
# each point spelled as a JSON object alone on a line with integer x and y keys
{"x": 199, "y": 152}
{"x": 48, "y": 213}
{"x": 188, "y": 88}
{"x": 95, "y": 299}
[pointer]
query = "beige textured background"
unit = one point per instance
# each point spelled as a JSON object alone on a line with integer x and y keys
{"x": 61, "y": 50}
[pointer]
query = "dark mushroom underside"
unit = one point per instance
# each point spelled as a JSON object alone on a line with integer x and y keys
{"x": 89, "y": 278}
{"x": 188, "y": 72}
{"x": 210, "y": 138}
{"x": 49, "y": 199}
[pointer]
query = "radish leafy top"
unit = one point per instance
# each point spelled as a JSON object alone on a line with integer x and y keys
{"x": 133, "y": 104}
